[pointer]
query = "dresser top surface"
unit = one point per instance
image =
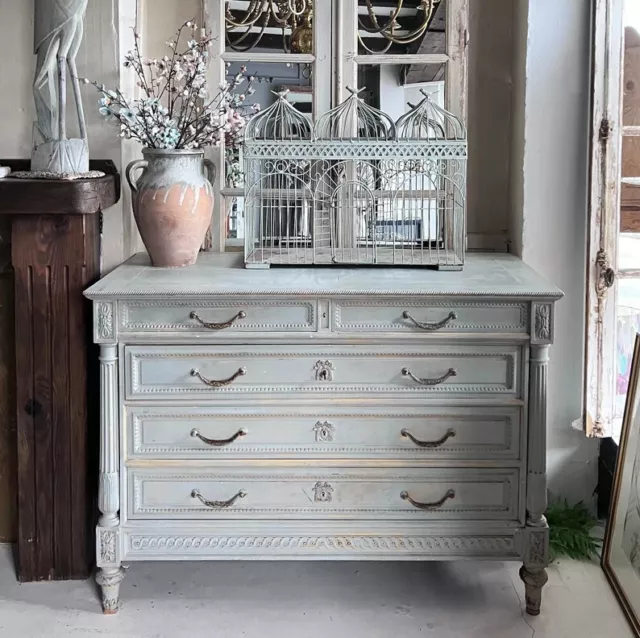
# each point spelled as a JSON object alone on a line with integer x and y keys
{"x": 484, "y": 274}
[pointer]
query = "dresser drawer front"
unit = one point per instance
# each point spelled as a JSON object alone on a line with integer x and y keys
{"x": 321, "y": 494}
{"x": 429, "y": 317}
{"x": 217, "y": 317}
{"x": 420, "y": 371}
{"x": 441, "y": 433}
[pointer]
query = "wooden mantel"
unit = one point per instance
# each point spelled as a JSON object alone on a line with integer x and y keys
{"x": 55, "y": 249}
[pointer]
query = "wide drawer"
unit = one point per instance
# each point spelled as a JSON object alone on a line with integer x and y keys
{"x": 429, "y": 316}
{"x": 421, "y": 371}
{"x": 476, "y": 433}
{"x": 298, "y": 493}
{"x": 217, "y": 317}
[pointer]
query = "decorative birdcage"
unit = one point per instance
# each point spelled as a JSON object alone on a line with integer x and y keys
{"x": 355, "y": 188}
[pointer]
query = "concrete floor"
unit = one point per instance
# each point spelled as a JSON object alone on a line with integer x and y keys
{"x": 316, "y": 600}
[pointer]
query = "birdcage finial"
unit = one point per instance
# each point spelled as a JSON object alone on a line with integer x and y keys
{"x": 430, "y": 122}
{"x": 354, "y": 119}
{"x": 281, "y": 121}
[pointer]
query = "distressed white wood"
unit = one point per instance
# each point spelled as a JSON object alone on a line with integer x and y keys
{"x": 493, "y": 276}
{"x": 457, "y": 33}
{"x": 402, "y": 58}
{"x": 302, "y": 457}
{"x": 491, "y": 434}
{"x": 166, "y": 372}
{"x": 328, "y": 493}
{"x": 110, "y": 574}
{"x": 214, "y": 13}
{"x": 604, "y": 217}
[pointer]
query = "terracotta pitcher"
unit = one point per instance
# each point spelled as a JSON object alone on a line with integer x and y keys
{"x": 172, "y": 204}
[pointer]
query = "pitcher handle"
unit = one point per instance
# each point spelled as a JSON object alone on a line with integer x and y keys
{"x": 211, "y": 170}
{"x": 134, "y": 166}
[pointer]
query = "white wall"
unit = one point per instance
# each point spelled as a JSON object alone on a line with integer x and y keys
{"x": 549, "y": 191}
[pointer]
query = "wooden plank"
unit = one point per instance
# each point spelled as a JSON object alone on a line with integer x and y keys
{"x": 55, "y": 258}
{"x": 27, "y": 536}
{"x": 8, "y": 499}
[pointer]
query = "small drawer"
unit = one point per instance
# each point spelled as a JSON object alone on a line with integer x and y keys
{"x": 217, "y": 317}
{"x": 430, "y": 317}
{"x": 478, "y": 433}
{"x": 451, "y": 494}
{"x": 172, "y": 372}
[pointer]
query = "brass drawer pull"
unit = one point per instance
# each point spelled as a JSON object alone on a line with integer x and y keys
{"x": 430, "y": 382}
{"x": 431, "y": 326}
{"x": 218, "y": 505}
{"x": 213, "y": 442}
{"x": 428, "y": 506}
{"x": 218, "y": 384}
{"x": 218, "y": 326}
{"x": 429, "y": 444}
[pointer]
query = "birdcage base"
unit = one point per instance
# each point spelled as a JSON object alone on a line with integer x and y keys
{"x": 437, "y": 259}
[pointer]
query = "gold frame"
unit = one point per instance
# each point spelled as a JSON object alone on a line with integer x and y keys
{"x": 627, "y": 607}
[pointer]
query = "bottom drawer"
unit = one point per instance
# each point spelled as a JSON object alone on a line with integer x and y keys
{"x": 298, "y": 493}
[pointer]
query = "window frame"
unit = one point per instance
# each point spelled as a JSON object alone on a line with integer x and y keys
{"x": 603, "y": 218}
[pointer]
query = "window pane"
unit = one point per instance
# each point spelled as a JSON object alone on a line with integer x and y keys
{"x": 388, "y": 90}
{"x": 297, "y": 79}
{"x": 234, "y": 208}
{"x": 628, "y": 326}
{"x": 414, "y": 29}
{"x": 274, "y": 26}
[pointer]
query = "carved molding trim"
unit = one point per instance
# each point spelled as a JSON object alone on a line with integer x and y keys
{"x": 512, "y": 360}
{"x": 105, "y": 321}
{"x": 521, "y": 326}
{"x": 324, "y": 433}
{"x": 247, "y": 325}
{"x": 472, "y": 545}
{"x": 507, "y": 506}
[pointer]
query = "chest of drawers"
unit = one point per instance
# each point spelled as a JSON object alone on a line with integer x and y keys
{"x": 334, "y": 414}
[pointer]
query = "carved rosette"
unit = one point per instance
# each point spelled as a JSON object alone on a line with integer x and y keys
{"x": 542, "y": 332}
{"x": 107, "y": 548}
{"x": 323, "y": 492}
{"x": 105, "y": 328}
{"x": 537, "y": 554}
{"x": 324, "y": 432}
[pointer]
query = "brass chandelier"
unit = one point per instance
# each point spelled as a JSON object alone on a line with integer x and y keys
{"x": 295, "y": 17}
{"x": 391, "y": 31}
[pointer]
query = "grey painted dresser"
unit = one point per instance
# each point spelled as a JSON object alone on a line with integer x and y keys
{"x": 334, "y": 414}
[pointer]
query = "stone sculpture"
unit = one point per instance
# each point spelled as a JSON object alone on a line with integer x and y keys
{"x": 58, "y": 34}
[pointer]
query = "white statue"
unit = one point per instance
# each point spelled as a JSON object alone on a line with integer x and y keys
{"x": 58, "y": 35}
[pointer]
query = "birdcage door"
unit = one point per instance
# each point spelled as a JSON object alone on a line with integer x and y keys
{"x": 353, "y": 219}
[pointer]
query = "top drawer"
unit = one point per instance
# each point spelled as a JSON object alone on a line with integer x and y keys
{"x": 429, "y": 316}
{"x": 217, "y": 317}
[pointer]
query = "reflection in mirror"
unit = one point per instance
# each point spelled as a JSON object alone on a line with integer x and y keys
{"x": 277, "y": 26}
{"x": 269, "y": 79}
{"x": 401, "y": 26}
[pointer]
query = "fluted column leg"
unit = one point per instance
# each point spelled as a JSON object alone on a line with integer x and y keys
{"x": 536, "y": 556}
{"x": 110, "y": 575}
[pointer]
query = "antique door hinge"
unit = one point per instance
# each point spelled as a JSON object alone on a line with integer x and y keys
{"x": 605, "y": 130}
{"x": 606, "y": 275}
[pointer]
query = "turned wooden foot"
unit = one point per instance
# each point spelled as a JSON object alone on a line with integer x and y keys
{"x": 534, "y": 580}
{"x": 109, "y": 580}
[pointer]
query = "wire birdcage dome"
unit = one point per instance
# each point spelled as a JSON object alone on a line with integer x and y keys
{"x": 280, "y": 122}
{"x": 356, "y": 188}
{"x": 354, "y": 119}
{"x": 428, "y": 121}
